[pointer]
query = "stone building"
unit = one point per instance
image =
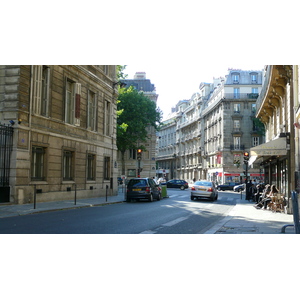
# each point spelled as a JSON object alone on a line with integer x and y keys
{"x": 278, "y": 108}
{"x": 147, "y": 163}
{"x": 229, "y": 128}
{"x": 64, "y": 120}
{"x": 215, "y": 127}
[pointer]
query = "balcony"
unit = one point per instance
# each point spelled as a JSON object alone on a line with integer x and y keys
{"x": 237, "y": 147}
{"x": 253, "y": 96}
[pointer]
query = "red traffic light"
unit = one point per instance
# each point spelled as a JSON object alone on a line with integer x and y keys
{"x": 246, "y": 154}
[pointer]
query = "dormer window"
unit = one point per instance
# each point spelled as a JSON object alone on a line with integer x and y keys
{"x": 253, "y": 77}
{"x": 236, "y": 78}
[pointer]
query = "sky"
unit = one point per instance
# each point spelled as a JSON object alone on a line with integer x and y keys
{"x": 177, "y": 82}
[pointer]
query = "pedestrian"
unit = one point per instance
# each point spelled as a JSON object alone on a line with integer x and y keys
{"x": 270, "y": 192}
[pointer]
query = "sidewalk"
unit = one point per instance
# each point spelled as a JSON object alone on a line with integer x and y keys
{"x": 10, "y": 210}
{"x": 242, "y": 219}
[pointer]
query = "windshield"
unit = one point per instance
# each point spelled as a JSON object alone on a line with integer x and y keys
{"x": 204, "y": 183}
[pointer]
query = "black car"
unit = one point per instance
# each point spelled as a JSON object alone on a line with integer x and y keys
{"x": 176, "y": 183}
{"x": 142, "y": 188}
{"x": 227, "y": 186}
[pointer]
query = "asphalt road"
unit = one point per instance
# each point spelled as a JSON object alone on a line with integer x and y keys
{"x": 174, "y": 215}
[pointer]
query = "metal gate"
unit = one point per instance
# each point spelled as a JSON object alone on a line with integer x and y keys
{"x": 6, "y": 142}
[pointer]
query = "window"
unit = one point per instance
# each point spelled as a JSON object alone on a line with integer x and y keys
{"x": 255, "y": 141}
{"x": 107, "y": 118}
{"x": 106, "y": 168}
{"x": 37, "y": 163}
{"x": 236, "y": 93}
{"x": 92, "y": 111}
{"x": 254, "y": 78}
{"x": 235, "y": 78}
{"x": 253, "y": 107}
{"x": 236, "y": 142}
{"x": 237, "y": 107}
{"x": 254, "y": 90}
{"x": 132, "y": 153}
{"x": 68, "y": 161}
{"x": 236, "y": 124}
{"x": 41, "y": 84}
{"x": 72, "y": 102}
{"x": 91, "y": 166}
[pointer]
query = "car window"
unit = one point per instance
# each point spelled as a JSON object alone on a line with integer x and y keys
{"x": 204, "y": 183}
{"x": 137, "y": 182}
{"x": 151, "y": 182}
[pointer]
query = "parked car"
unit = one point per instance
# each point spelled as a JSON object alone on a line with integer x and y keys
{"x": 239, "y": 187}
{"x": 176, "y": 183}
{"x": 142, "y": 188}
{"x": 227, "y": 186}
{"x": 204, "y": 189}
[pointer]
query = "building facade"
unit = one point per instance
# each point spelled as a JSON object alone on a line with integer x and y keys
{"x": 278, "y": 109}
{"x": 64, "y": 131}
{"x": 147, "y": 163}
{"x": 215, "y": 127}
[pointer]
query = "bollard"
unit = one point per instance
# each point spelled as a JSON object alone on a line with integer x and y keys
{"x": 75, "y": 200}
{"x": 295, "y": 211}
{"x": 106, "y": 192}
{"x": 34, "y": 197}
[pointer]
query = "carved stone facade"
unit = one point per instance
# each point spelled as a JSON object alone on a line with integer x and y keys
{"x": 64, "y": 130}
{"x": 276, "y": 109}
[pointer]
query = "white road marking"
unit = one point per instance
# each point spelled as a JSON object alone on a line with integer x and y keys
{"x": 171, "y": 223}
{"x": 148, "y": 232}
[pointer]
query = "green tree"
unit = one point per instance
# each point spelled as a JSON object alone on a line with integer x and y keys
{"x": 136, "y": 114}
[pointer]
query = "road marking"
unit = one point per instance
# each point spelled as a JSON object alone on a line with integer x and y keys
{"x": 175, "y": 221}
{"x": 148, "y": 232}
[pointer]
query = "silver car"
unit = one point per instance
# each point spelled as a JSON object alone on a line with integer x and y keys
{"x": 204, "y": 189}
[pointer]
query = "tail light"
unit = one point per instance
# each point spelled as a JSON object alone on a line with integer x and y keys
{"x": 209, "y": 189}
{"x": 193, "y": 188}
{"x": 148, "y": 189}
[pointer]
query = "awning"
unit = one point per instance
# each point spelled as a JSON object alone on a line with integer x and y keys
{"x": 275, "y": 147}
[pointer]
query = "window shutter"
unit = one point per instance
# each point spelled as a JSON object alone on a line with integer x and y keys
{"x": 37, "y": 89}
{"x": 77, "y": 103}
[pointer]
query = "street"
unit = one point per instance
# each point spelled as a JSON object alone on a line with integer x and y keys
{"x": 174, "y": 215}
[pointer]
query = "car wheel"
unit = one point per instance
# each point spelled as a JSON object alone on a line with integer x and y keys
{"x": 192, "y": 198}
{"x": 151, "y": 198}
{"x": 182, "y": 187}
{"x": 159, "y": 197}
{"x": 216, "y": 198}
{"x": 219, "y": 189}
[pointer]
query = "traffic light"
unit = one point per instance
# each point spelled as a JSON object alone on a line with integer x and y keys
{"x": 139, "y": 153}
{"x": 246, "y": 157}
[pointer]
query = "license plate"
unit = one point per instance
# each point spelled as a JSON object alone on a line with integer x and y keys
{"x": 136, "y": 190}
{"x": 202, "y": 189}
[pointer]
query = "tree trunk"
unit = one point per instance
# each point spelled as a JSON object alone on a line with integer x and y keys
{"x": 123, "y": 162}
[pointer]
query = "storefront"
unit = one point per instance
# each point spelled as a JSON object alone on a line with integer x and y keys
{"x": 273, "y": 159}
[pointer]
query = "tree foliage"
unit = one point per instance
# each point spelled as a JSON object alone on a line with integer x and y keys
{"x": 136, "y": 114}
